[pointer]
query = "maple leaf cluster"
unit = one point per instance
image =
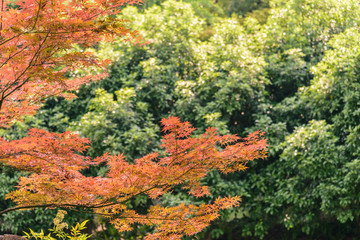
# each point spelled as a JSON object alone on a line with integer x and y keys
{"x": 57, "y": 181}
{"x": 37, "y": 52}
{"x": 36, "y": 48}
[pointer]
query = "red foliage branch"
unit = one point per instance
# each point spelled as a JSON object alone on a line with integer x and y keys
{"x": 36, "y": 37}
{"x": 57, "y": 182}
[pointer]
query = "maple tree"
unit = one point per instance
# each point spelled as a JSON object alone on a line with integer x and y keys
{"x": 37, "y": 54}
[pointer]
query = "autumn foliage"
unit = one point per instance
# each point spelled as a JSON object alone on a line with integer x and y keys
{"x": 36, "y": 38}
{"x": 57, "y": 181}
{"x": 36, "y": 46}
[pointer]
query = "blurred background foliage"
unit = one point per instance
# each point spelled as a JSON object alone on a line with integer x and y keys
{"x": 288, "y": 67}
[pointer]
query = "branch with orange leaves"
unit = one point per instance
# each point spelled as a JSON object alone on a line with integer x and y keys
{"x": 36, "y": 33}
{"x": 57, "y": 180}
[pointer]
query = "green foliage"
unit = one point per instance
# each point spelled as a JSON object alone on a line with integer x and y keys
{"x": 241, "y": 7}
{"x": 213, "y": 83}
{"x": 287, "y": 72}
{"x": 113, "y": 126}
{"x": 334, "y": 95}
{"x": 309, "y": 162}
{"x": 296, "y": 37}
{"x": 308, "y": 25}
{"x": 58, "y": 230}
